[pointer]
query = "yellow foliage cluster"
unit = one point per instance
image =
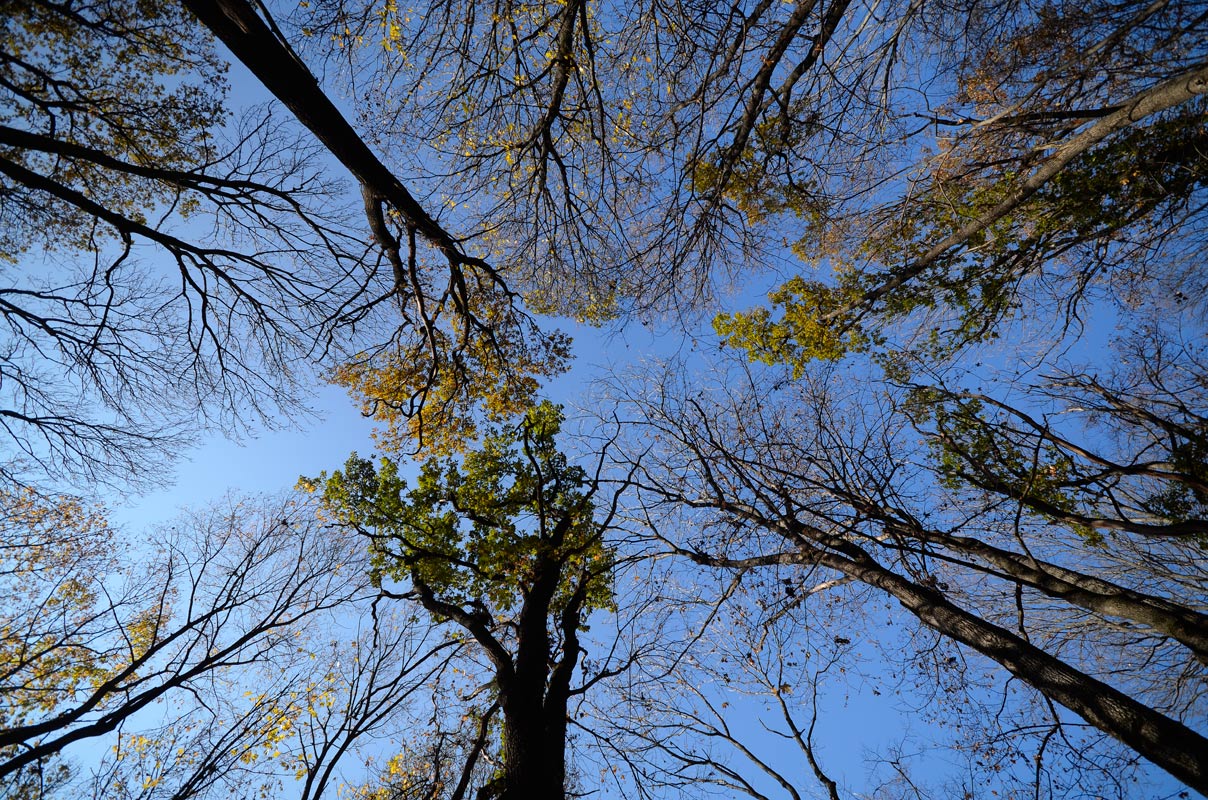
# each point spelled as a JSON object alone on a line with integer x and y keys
{"x": 155, "y": 91}
{"x": 431, "y": 400}
{"x": 58, "y": 547}
{"x": 745, "y": 178}
{"x": 814, "y": 325}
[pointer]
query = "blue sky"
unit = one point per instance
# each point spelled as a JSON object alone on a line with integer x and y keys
{"x": 859, "y": 713}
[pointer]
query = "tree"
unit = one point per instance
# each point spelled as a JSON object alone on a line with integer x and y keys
{"x": 153, "y": 659}
{"x": 828, "y": 479}
{"x": 964, "y": 168}
{"x": 1069, "y": 163}
{"x": 505, "y": 546}
{"x": 464, "y": 343}
{"x": 166, "y": 266}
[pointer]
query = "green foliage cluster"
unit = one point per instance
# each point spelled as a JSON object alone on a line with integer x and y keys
{"x": 1186, "y": 499}
{"x": 1126, "y": 190}
{"x": 479, "y": 528}
{"x": 1128, "y": 179}
{"x": 815, "y": 324}
{"x": 971, "y": 448}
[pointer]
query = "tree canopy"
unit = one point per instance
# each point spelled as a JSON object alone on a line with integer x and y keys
{"x": 168, "y": 267}
{"x": 506, "y": 546}
{"x": 959, "y": 450}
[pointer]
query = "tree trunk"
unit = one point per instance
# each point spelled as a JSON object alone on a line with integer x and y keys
{"x": 1166, "y": 742}
{"x": 534, "y": 755}
{"x": 1184, "y": 625}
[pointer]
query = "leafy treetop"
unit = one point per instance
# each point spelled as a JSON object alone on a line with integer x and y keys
{"x": 479, "y": 529}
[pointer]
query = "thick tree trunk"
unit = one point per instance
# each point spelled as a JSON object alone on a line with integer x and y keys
{"x": 1182, "y": 624}
{"x": 1166, "y": 742}
{"x": 534, "y": 756}
{"x": 237, "y": 25}
{"x": 535, "y": 700}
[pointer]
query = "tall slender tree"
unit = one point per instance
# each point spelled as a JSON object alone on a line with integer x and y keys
{"x": 833, "y": 480}
{"x": 506, "y": 545}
